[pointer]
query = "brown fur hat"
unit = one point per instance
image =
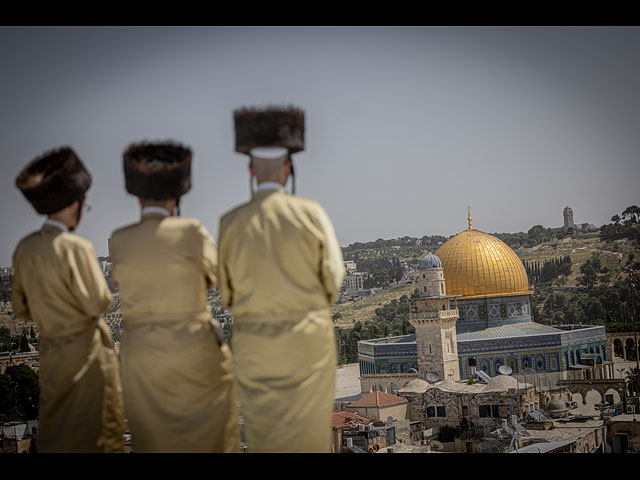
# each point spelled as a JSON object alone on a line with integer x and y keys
{"x": 54, "y": 180}
{"x": 157, "y": 171}
{"x": 269, "y": 127}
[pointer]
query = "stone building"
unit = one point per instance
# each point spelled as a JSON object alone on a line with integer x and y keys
{"x": 380, "y": 406}
{"x": 341, "y": 421}
{"x": 434, "y": 318}
{"x": 567, "y": 213}
{"x": 476, "y": 408}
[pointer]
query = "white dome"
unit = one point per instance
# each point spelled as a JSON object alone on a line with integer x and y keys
{"x": 501, "y": 382}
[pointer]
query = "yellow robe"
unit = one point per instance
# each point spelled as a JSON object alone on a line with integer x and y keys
{"x": 280, "y": 269}
{"x": 177, "y": 378}
{"x": 59, "y": 285}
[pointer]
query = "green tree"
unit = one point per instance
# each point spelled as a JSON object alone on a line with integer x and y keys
{"x": 22, "y": 391}
{"x": 24, "y": 343}
{"x": 633, "y": 381}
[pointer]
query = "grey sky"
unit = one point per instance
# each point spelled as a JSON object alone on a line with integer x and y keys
{"x": 406, "y": 126}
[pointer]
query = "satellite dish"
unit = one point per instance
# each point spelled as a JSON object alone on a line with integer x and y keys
{"x": 505, "y": 370}
{"x": 432, "y": 376}
{"x": 436, "y": 445}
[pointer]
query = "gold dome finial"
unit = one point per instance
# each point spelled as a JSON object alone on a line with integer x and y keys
{"x": 469, "y": 215}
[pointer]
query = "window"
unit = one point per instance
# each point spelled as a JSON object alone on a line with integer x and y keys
{"x": 489, "y": 411}
{"x": 436, "y": 411}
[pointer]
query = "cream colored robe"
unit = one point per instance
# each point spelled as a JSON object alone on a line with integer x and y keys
{"x": 59, "y": 285}
{"x": 178, "y": 384}
{"x": 280, "y": 269}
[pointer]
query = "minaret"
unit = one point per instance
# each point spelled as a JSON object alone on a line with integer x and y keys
{"x": 434, "y": 317}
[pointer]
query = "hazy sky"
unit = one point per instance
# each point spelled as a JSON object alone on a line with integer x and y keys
{"x": 405, "y": 126}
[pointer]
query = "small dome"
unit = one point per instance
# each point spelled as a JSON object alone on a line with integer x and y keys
{"x": 501, "y": 382}
{"x": 556, "y": 405}
{"x": 430, "y": 261}
{"x": 415, "y": 386}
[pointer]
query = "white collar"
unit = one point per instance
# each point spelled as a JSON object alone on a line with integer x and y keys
{"x": 269, "y": 186}
{"x": 57, "y": 224}
{"x": 155, "y": 209}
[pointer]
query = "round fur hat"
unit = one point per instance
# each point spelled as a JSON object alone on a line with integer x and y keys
{"x": 54, "y": 180}
{"x": 269, "y": 127}
{"x": 157, "y": 171}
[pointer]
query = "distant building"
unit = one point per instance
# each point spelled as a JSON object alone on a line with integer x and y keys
{"x": 353, "y": 282}
{"x": 350, "y": 266}
{"x": 341, "y": 421}
{"x": 380, "y": 406}
{"x": 568, "y": 217}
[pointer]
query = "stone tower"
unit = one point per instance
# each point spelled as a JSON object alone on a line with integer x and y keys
{"x": 434, "y": 318}
{"x": 568, "y": 217}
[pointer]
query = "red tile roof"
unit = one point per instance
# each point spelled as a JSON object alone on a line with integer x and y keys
{"x": 378, "y": 399}
{"x": 341, "y": 419}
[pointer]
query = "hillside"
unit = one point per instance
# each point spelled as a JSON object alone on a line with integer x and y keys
{"x": 364, "y": 309}
{"x": 613, "y": 255}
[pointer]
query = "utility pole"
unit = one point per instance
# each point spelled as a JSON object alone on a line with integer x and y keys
{"x": 633, "y": 319}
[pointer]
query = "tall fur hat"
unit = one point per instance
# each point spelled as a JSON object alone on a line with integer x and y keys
{"x": 157, "y": 171}
{"x": 54, "y": 180}
{"x": 269, "y": 127}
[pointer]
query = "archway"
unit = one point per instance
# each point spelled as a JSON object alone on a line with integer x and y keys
{"x": 618, "y": 349}
{"x": 631, "y": 350}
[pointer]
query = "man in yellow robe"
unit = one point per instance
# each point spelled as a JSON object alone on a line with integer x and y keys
{"x": 280, "y": 270}
{"x": 176, "y": 366}
{"x": 58, "y": 284}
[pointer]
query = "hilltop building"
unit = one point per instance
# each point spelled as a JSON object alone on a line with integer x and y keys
{"x": 568, "y": 217}
{"x": 475, "y": 316}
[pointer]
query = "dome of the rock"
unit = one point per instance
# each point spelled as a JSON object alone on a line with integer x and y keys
{"x": 477, "y": 263}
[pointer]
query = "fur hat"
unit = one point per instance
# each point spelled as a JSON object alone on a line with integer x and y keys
{"x": 157, "y": 171}
{"x": 269, "y": 127}
{"x": 54, "y": 180}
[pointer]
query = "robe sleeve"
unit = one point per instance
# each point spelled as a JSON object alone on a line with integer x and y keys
{"x": 18, "y": 298}
{"x": 331, "y": 264}
{"x": 224, "y": 283}
{"x": 88, "y": 284}
{"x": 208, "y": 255}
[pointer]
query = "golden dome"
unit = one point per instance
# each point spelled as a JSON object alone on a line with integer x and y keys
{"x": 476, "y": 263}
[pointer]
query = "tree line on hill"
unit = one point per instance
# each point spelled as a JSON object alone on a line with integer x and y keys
{"x": 549, "y": 271}
{"x": 598, "y": 299}
{"x": 16, "y": 343}
{"x": 381, "y": 270}
{"x": 391, "y": 320}
{"x": 626, "y": 225}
